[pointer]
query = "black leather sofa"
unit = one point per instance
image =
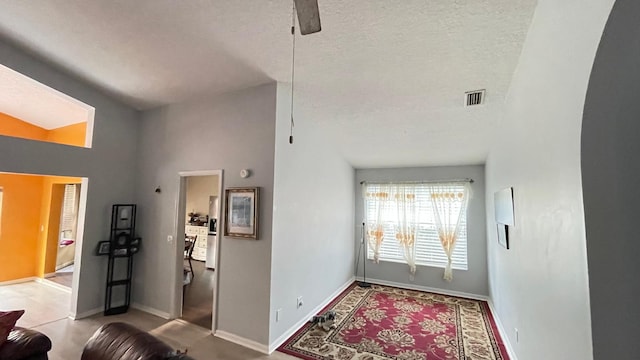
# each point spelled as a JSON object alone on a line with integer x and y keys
{"x": 121, "y": 341}
{"x": 25, "y": 344}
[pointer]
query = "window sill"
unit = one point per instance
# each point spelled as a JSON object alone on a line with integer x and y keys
{"x": 439, "y": 266}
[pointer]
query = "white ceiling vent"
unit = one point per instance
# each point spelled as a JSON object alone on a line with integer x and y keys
{"x": 473, "y": 98}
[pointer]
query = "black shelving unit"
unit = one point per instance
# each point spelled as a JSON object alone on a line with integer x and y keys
{"x": 123, "y": 244}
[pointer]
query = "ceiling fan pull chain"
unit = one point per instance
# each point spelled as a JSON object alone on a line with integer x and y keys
{"x": 293, "y": 61}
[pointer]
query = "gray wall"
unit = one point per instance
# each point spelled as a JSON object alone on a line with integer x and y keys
{"x": 540, "y": 285}
{"x": 474, "y": 280}
{"x": 110, "y": 164}
{"x": 610, "y": 172}
{"x": 229, "y": 132}
{"x": 312, "y": 222}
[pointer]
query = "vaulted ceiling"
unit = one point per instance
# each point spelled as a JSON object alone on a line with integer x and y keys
{"x": 385, "y": 80}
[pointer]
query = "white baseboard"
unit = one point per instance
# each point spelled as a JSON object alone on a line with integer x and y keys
{"x": 64, "y": 265}
{"x": 427, "y": 289}
{"x": 53, "y": 284}
{"x": 86, "y": 314}
{"x": 18, "y": 281}
{"x": 503, "y": 333}
{"x": 287, "y": 334}
{"x": 254, "y": 345}
{"x": 152, "y": 311}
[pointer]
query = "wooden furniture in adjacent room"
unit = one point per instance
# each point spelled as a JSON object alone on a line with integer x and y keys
{"x": 189, "y": 244}
{"x": 200, "y": 251}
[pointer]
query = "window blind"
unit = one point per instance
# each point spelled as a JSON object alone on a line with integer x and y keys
{"x": 68, "y": 210}
{"x": 428, "y": 248}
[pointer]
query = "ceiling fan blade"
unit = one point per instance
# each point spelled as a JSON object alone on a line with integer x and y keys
{"x": 308, "y": 16}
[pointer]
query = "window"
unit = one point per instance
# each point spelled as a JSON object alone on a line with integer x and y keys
{"x": 429, "y": 250}
{"x": 69, "y": 212}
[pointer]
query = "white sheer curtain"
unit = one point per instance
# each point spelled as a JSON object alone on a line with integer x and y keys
{"x": 380, "y": 198}
{"x": 406, "y": 222}
{"x": 449, "y": 205}
{"x": 393, "y": 206}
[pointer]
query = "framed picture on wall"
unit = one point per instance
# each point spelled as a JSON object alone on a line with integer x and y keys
{"x": 503, "y": 235}
{"x": 103, "y": 248}
{"x": 241, "y": 213}
{"x": 503, "y": 203}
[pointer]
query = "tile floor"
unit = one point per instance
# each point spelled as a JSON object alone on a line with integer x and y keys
{"x": 46, "y": 312}
{"x": 43, "y": 303}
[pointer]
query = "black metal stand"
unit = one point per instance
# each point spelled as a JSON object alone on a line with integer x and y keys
{"x": 122, "y": 245}
{"x": 363, "y": 284}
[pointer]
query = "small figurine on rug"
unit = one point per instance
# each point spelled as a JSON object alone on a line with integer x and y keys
{"x": 326, "y": 320}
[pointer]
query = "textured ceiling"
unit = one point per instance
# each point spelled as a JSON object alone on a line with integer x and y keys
{"x": 384, "y": 79}
{"x": 18, "y": 94}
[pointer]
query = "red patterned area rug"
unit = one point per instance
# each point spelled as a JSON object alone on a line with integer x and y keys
{"x": 390, "y": 323}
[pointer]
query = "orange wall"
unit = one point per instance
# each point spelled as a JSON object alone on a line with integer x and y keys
{"x": 11, "y": 126}
{"x": 25, "y": 250}
{"x": 22, "y": 196}
{"x": 50, "y": 209}
{"x": 68, "y": 135}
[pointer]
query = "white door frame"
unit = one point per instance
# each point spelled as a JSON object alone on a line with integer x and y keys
{"x": 180, "y": 205}
{"x": 77, "y": 257}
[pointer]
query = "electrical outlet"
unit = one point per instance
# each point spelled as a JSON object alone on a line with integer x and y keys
{"x": 517, "y": 336}
{"x": 299, "y": 302}
{"x": 170, "y": 239}
{"x": 278, "y": 314}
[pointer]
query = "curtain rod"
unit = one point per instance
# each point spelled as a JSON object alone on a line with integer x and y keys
{"x": 469, "y": 180}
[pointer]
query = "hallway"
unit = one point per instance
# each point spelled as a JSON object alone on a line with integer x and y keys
{"x": 198, "y": 296}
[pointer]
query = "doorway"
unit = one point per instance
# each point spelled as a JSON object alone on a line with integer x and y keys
{"x": 63, "y": 231}
{"x": 32, "y": 209}
{"x": 199, "y": 209}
